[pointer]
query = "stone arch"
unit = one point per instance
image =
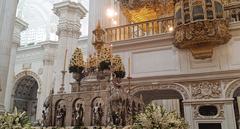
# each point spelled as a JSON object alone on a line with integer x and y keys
{"x": 22, "y": 74}
{"x": 94, "y": 101}
{"x": 59, "y": 104}
{"x": 25, "y": 95}
{"x": 231, "y": 88}
{"x": 175, "y": 86}
{"x": 74, "y": 106}
{"x": 155, "y": 92}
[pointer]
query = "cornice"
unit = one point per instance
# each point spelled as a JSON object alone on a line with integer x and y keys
{"x": 230, "y": 74}
{"x": 68, "y": 5}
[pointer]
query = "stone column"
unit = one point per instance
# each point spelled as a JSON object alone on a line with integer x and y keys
{"x": 19, "y": 26}
{"x": 69, "y": 14}
{"x": 47, "y": 76}
{"x": 7, "y": 19}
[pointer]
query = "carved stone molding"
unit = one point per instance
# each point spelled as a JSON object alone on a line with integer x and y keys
{"x": 206, "y": 89}
{"x": 69, "y": 14}
{"x": 230, "y": 89}
{"x": 219, "y": 115}
{"x": 143, "y": 87}
{"x": 28, "y": 73}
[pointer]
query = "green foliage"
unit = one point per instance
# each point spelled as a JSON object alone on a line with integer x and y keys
{"x": 75, "y": 69}
{"x": 15, "y": 120}
{"x": 120, "y": 74}
{"x": 104, "y": 65}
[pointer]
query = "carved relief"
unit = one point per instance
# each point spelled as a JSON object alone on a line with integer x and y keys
{"x": 180, "y": 89}
{"x": 206, "y": 90}
{"x": 219, "y": 115}
{"x": 201, "y": 37}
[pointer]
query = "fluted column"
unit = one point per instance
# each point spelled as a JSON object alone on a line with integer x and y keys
{"x": 69, "y": 14}
{"x": 19, "y": 26}
{"x": 7, "y": 19}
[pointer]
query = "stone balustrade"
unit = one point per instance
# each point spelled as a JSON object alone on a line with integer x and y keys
{"x": 159, "y": 26}
{"x": 142, "y": 29}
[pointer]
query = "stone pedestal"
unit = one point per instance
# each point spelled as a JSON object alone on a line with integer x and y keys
{"x": 70, "y": 14}
{"x": 7, "y": 19}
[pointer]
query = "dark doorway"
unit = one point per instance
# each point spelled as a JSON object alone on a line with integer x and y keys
{"x": 152, "y": 95}
{"x": 236, "y": 97}
{"x": 210, "y": 126}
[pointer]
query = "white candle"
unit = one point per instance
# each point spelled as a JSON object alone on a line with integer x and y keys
{"x": 65, "y": 60}
{"x": 129, "y": 67}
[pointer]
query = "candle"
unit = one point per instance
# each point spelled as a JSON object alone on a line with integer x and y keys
{"x": 65, "y": 60}
{"x": 129, "y": 67}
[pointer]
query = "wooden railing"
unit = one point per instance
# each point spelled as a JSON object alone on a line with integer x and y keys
{"x": 142, "y": 29}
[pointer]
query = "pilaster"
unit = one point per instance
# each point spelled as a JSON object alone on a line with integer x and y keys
{"x": 70, "y": 14}
{"x": 19, "y": 26}
{"x": 7, "y": 13}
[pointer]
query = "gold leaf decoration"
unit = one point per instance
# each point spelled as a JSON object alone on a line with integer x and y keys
{"x": 77, "y": 58}
{"x": 105, "y": 54}
{"x": 92, "y": 61}
{"x": 117, "y": 63}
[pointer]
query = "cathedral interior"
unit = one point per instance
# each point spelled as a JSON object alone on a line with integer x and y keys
{"x": 96, "y": 63}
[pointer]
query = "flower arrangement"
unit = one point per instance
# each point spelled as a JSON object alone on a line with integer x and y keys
{"x": 105, "y": 58}
{"x": 15, "y": 120}
{"x": 77, "y": 62}
{"x": 118, "y": 67}
{"x": 92, "y": 62}
{"x": 156, "y": 117}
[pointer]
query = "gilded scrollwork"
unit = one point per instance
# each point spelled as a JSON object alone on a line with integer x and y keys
{"x": 202, "y": 36}
{"x": 142, "y": 10}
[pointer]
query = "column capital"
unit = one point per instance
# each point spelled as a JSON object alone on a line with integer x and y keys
{"x": 69, "y": 14}
{"x": 19, "y": 26}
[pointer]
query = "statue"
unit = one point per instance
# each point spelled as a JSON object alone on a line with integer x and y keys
{"x": 60, "y": 116}
{"x": 78, "y": 113}
{"x": 100, "y": 114}
{"x": 48, "y": 109}
{"x": 95, "y": 114}
{"x": 116, "y": 117}
{"x": 44, "y": 117}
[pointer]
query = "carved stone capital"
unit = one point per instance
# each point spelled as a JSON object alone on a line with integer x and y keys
{"x": 19, "y": 26}
{"x": 69, "y": 14}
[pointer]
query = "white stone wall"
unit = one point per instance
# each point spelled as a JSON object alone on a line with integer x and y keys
{"x": 156, "y": 56}
{"x": 38, "y": 59}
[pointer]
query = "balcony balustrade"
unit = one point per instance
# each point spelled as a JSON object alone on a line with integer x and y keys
{"x": 159, "y": 26}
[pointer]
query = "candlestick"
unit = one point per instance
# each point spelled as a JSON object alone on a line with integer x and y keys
{"x": 65, "y": 60}
{"x": 129, "y": 67}
{"x": 62, "y": 89}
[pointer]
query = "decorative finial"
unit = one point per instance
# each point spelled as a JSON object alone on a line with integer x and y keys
{"x": 99, "y": 34}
